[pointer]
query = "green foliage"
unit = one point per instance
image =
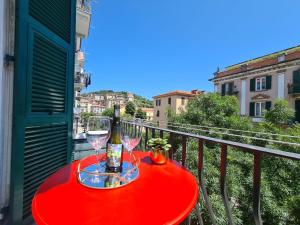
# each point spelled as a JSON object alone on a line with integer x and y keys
{"x": 280, "y": 180}
{"x": 141, "y": 114}
{"x": 281, "y": 113}
{"x": 108, "y": 112}
{"x": 126, "y": 117}
{"x": 142, "y": 102}
{"x": 159, "y": 143}
{"x": 130, "y": 108}
{"x": 85, "y": 116}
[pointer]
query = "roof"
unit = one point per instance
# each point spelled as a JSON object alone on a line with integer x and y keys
{"x": 260, "y": 62}
{"x": 177, "y": 92}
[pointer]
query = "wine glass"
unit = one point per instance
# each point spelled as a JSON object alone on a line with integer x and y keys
{"x": 131, "y": 136}
{"x": 97, "y": 134}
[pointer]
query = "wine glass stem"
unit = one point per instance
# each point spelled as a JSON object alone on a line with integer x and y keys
{"x": 97, "y": 158}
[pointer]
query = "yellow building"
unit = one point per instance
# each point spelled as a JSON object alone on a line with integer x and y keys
{"x": 175, "y": 100}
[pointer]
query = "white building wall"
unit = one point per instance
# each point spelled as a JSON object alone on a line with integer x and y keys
{"x": 7, "y": 27}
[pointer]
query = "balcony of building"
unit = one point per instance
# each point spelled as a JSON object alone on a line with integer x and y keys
{"x": 83, "y": 18}
{"x": 294, "y": 89}
{"x": 81, "y": 80}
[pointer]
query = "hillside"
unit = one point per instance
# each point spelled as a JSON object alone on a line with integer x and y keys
{"x": 139, "y": 101}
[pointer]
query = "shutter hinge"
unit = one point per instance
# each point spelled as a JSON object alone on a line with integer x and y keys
{"x": 8, "y": 59}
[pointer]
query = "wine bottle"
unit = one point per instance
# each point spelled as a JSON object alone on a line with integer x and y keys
{"x": 114, "y": 147}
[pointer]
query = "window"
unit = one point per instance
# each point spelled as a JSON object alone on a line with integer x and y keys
{"x": 169, "y": 101}
{"x": 260, "y": 84}
{"x": 259, "y": 109}
{"x": 158, "y": 102}
{"x": 157, "y": 113}
{"x": 227, "y": 88}
{"x": 182, "y": 101}
{"x": 281, "y": 58}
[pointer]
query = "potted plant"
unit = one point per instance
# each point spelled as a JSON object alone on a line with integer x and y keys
{"x": 159, "y": 150}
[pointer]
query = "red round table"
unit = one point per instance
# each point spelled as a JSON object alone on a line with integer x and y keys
{"x": 162, "y": 194}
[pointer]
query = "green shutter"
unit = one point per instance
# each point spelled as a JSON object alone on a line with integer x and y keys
{"x": 251, "y": 108}
{"x": 252, "y": 84}
{"x": 223, "y": 90}
{"x": 43, "y": 98}
{"x": 297, "y": 110}
{"x": 230, "y": 88}
{"x": 269, "y": 82}
{"x": 268, "y": 105}
{"x": 296, "y": 81}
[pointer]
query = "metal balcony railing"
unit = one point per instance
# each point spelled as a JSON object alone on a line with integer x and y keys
{"x": 294, "y": 88}
{"x": 84, "y": 5}
{"x": 257, "y": 152}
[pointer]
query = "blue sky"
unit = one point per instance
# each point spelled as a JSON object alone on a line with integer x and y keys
{"x": 155, "y": 46}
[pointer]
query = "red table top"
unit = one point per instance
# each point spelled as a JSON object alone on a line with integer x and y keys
{"x": 162, "y": 194}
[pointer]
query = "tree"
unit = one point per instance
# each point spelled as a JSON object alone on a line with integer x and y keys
{"x": 108, "y": 112}
{"x": 280, "y": 177}
{"x": 281, "y": 113}
{"x": 85, "y": 117}
{"x": 141, "y": 114}
{"x": 130, "y": 108}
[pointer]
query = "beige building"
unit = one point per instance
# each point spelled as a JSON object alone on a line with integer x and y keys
{"x": 175, "y": 100}
{"x": 257, "y": 83}
{"x": 149, "y": 113}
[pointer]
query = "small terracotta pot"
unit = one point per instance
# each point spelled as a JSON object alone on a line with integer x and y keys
{"x": 159, "y": 156}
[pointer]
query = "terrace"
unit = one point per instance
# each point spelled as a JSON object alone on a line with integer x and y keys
{"x": 204, "y": 211}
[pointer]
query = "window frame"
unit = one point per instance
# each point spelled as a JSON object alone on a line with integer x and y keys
{"x": 261, "y": 83}
{"x": 261, "y": 106}
{"x": 169, "y": 101}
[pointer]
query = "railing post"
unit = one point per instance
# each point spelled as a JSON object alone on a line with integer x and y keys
{"x": 256, "y": 188}
{"x": 161, "y": 134}
{"x": 202, "y": 182}
{"x": 146, "y": 137}
{"x": 183, "y": 150}
{"x": 153, "y": 133}
{"x": 172, "y": 145}
{"x": 223, "y": 183}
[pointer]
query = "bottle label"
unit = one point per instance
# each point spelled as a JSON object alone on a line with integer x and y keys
{"x": 114, "y": 154}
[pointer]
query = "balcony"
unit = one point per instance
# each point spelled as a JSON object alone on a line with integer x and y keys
{"x": 83, "y": 18}
{"x": 294, "y": 89}
{"x": 81, "y": 81}
{"x": 257, "y": 157}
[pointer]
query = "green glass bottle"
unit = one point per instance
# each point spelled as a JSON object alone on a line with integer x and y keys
{"x": 114, "y": 147}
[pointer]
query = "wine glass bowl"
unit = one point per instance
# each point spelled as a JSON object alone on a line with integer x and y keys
{"x": 97, "y": 134}
{"x": 131, "y": 137}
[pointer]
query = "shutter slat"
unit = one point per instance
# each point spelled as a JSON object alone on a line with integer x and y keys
{"x": 54, "y": 14}
{"x": 48, "y": 76}
{"x": 45, "y": 152}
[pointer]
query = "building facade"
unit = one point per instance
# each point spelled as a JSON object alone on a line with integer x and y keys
{"x": 149, "y": 113}
{"x": 257, "y": 83}
{"x": 175, "y": 100}
{"x": 81, "y": 78}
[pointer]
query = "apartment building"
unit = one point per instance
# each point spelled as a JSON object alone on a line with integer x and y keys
{"x": 81, "y": 78}
{"x": 174, "y": 100}
{"x": 258, "y": 82}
